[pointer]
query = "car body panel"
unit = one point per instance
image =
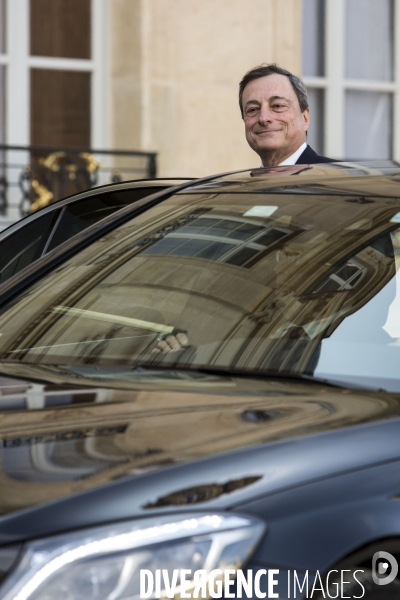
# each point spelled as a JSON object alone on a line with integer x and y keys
{"x": 348, "y": 510}
{"x": 153, "y": 433}
{"x": 302, "y": 487}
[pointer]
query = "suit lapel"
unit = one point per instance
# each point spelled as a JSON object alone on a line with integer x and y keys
{"x": 307, "y": 157}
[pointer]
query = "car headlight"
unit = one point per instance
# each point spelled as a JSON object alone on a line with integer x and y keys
{"x": 104, "y": 563}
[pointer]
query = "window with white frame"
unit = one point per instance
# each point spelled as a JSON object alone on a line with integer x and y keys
{"x": 53, "y": 78}
{"x": 52, "y": 67}
{"x": 353, "y": 76}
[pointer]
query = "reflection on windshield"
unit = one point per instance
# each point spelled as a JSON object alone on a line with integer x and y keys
{"x": 304, "y": 288}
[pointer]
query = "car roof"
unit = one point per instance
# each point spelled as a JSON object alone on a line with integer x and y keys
{"x": 374, "y": 178}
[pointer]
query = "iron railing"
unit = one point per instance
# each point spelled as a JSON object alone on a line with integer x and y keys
{"x": 33, "y": 176}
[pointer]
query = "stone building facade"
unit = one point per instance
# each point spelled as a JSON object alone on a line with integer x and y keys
{"x": 174, "y": 74}
{"x": 162, "y": 76}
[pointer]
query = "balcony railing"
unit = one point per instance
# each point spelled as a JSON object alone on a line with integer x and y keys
{"x": 32, "y": 177}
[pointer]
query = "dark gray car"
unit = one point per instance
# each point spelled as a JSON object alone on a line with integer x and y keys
{"x": 208, "y": 380}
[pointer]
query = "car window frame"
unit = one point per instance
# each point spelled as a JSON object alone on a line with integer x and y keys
{"x": 62, "y": 206}
{"x": 10, "y": 229}
{"x": 43, "y": 265}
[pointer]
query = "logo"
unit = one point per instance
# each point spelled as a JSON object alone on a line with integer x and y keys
{"x": 384, "y": 568}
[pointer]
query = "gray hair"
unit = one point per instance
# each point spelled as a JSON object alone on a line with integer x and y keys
{"x": 263, "y": 71}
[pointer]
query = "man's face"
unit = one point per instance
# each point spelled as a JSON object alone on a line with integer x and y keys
{"x": 275, "y": 126}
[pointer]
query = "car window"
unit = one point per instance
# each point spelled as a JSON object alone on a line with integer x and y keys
{"x": 24, "y": 246}
{"x": 79, "y": 215}
{"x": 277, "y": 294}
{"x": 45, "y": 233}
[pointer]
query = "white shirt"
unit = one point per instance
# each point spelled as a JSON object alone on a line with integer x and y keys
{"x": 294, "y": 157}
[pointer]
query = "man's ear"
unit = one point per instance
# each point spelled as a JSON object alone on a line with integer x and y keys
{"x": 306, "y": 118}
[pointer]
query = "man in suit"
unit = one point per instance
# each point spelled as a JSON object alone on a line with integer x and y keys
{"x": 276, "y": 115}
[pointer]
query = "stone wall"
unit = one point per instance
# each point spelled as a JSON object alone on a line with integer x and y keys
{"x": 175, "y": 68}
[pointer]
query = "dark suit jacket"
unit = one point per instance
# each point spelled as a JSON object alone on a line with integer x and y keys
{"x": 309, "y": 157}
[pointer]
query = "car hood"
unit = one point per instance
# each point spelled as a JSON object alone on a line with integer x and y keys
{"x": 188, "y": 435}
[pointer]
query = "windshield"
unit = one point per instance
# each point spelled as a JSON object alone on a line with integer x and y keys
{"x": 276, "y": 283}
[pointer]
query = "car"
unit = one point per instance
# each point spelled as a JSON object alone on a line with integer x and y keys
{"x": 200, "y": 393}
{"x": 40, "y": 232}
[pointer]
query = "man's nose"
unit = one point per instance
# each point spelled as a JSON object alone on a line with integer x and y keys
{"x": 264, "y": 116}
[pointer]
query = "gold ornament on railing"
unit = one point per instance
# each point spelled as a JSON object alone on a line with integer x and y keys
{"x": 44, "y": 195}
{"x": 72, "y": 169}
{"x": 51, "y": 161}
{"x": 56, "y": 163}
{"x": 92, "y": 164}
